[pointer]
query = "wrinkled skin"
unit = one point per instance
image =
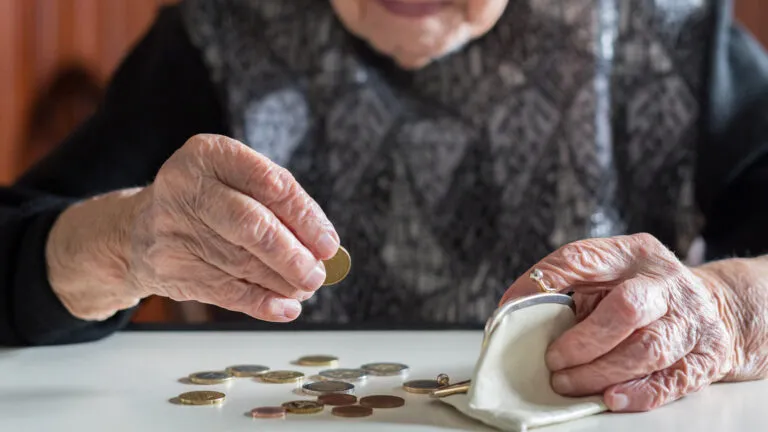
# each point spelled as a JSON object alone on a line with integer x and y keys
{"x": 221, "y": 224}
{"x": 650, "y": 330}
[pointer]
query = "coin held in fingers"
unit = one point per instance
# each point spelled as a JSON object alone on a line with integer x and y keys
{"x": 337, "y": 267}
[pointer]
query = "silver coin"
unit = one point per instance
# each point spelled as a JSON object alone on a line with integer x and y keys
{"x": 344, "y": 374}
{"x": 210, "y": 377}
{"x": 385, "y": 369}
{"x": 320, "y": 388}
{"x": 247, "y": 370}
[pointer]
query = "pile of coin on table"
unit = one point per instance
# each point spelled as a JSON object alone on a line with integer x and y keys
{"x": 335, "y": 387}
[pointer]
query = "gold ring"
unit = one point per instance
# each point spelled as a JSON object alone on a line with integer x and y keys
{"x": 538, "y": 277}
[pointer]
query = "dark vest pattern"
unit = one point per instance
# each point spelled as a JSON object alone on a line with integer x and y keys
{"x": 570, "y": 119}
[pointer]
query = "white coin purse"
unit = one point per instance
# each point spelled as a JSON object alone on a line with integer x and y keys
{"x": 510, "y": 388}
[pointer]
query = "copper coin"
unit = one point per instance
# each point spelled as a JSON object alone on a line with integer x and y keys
{"x": 382, "y": 401}
{"x": 268, "y": 412}
{"x": 337, "y": 399}
{"x": 352, "y": 411}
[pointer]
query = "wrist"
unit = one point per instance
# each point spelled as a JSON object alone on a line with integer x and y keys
{"x": 740, "y": 289}
{"x": 88, "y": 252}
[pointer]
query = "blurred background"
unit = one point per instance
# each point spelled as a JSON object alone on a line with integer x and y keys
{"x": 56, "y": 57}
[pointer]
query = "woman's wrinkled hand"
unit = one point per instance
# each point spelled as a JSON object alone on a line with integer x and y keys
{"x": 650, "y": 330}
{"x": 221, "y": 224}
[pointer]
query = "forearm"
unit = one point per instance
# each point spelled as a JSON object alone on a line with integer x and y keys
{"x": 87, "y": 255}
{"x": 741, "y": 288}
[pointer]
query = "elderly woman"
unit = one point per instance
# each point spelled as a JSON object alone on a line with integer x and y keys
{"x": 451, "y": 145}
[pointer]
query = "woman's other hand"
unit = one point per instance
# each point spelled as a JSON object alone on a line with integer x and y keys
{"x": 650, "y": 329}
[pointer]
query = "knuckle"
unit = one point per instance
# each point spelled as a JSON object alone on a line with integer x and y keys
{"x": 230, "y": 294}
{"x": 628, "y": 305}
{"x": 250, "y": 266}
{"x": 649, "y": 246}
{"x": 585, "y": 257}
{"x": 297, "y": 264}
{"x": 653, "y": 347}
{"x": 161, "y": 258}
{"x": 265, "y": 234}
{"x": 279, "y": 186}
{"x": 659, "y": 391}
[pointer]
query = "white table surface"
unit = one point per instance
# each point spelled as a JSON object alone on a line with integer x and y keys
{"x": 125, "y": 382}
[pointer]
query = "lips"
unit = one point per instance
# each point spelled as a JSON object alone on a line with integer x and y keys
{"x": 412, "y": 9}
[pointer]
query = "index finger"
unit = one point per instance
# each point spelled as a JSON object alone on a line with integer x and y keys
{"x": 255, "y": 175}
{"x": 583, "y": 264}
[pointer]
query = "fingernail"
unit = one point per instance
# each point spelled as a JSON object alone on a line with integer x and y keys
{"x": 327, "y": 245}
{"x": 291, "y": 309}
{"x": 305, "y": 295}
{"x": 618, "y": 402}
{"x": 561, "y": 383}
{"x": 555, "y": 360}
{"x": 315, "y": 278}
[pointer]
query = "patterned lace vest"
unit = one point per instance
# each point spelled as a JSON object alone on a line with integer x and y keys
{"x": 570, "y": 119}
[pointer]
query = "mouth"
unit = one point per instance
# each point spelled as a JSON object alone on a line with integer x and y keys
{"x": 411, "y": 9}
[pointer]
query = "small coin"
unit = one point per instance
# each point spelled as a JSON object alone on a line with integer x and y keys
{"x": 268, "y": 412}
{"x": 382, "y": 401}
{"x": 421, "y": 386}
{"x": 336, "y": 399}
{"x": 318, "y": 360}
{"x": 324, "y": 387}
{"x": 210, "y": 377}
{"x": 247, "y": 370}
{"x": 352, "y": 411}
{"x": 344, "y": 374}
{"x": 443, "y": 380}
{"x": 385, "y": 369}
{"x": 282, "y": 377}
{"x": 303, "y": 407}
{"x": 201, "y": 397}
{"x": 337, "y": 268}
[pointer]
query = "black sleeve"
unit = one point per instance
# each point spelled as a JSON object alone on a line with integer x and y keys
{"x": 732, "y": 179}
{"x": 160, "y": 96}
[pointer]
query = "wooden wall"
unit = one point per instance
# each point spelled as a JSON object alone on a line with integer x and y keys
{"x": 754, "y": 15}
{"x": 38, "y": 35}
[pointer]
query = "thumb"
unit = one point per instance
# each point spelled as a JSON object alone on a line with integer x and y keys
{"x": 589, "y": 262}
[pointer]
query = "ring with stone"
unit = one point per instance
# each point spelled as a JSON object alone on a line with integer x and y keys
{"x": 538, "y": 277}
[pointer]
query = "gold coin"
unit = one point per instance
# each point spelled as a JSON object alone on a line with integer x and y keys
{"x": 210, "y": 377}
{"x": 201, "y": 398}
{"x": 303, "y": 407}
{"x": 241, "y": 371}
{"x": 282, "y": 376}
{"x": 337, "y": 268}
{"x": 318, "y": 360}
{"x": 421, "y": 386}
